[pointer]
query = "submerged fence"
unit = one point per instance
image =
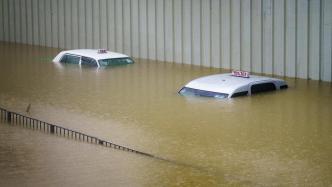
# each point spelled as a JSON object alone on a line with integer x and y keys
{"x": 28, "y": 122}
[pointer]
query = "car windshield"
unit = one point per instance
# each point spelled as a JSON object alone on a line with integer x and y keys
{"x": 204, "y": 93}
{"x": 115, "y": 61}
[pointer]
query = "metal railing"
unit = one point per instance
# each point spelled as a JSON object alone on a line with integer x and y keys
{"x": 14, "y": 118}
{"x": 28, "y": 122}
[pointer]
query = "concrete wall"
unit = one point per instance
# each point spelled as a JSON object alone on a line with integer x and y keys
{"x": 283, "y": 37}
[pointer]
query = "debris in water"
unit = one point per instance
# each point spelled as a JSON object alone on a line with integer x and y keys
{"x": 28, "y": 108}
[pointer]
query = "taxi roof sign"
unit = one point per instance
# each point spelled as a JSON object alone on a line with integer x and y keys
{"x": 101, "y": 51}
{"x": 238, "y": 73}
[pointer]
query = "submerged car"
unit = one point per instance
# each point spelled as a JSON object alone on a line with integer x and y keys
{"x": 92, "y": 57}
{"x": 228, "y": 85}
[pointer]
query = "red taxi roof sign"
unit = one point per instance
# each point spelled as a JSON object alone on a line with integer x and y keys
{"x": 238, "y": 73}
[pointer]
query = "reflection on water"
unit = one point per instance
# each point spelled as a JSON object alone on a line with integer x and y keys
{"x": 280, "y": 138}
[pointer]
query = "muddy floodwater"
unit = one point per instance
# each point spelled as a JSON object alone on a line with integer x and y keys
{"x": 281, "y": 138}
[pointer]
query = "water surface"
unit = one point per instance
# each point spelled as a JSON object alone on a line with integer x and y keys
{"x": 274, "y": 139}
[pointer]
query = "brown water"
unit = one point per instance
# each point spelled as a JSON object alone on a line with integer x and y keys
{"x": 274, "y": 139}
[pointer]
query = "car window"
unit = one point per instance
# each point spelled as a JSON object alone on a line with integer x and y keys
{"x": 238, "y": 94}
{"x": 262, "y": 87}
{"x": 86, "y": 61}
{"x": 197, "y": 92}
{"x": 70, "y": 59}
{"x": 115, "y": 61}
{"x": 284, "y": 86}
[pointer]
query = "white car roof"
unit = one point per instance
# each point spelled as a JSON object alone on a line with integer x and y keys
{"x": 229, "y": 84}
{"x": 91, "y": 53}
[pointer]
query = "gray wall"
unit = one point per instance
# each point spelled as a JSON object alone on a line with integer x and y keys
{"x": 283, "y": 37}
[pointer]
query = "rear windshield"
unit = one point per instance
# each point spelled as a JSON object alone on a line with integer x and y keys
{"x": 115, "y": 61}
{"x": 204, "y": 93}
